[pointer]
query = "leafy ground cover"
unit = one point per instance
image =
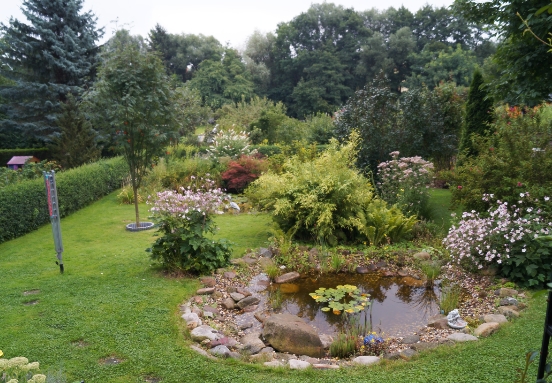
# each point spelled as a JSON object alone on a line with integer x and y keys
{"x": 112, "y": 302}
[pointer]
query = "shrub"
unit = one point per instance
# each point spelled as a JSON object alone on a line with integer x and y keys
{"x": 404, "y": 182}
{"x": 515, "y": 238}
{"x": 184, "y": 218}
{"x": 30, "y": 171}
{"x": 242, "y": 172}
{"x": 325, "y": 197}
{"x": 19, "y": 370}
{"x": 230, "y": 144}
{"x": 515, "y": 158}
{"x": 23, "y": 206}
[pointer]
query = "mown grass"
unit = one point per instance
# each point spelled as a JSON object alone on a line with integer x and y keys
{"x": 441, "y": 208}
{"x": 111, "y": 301}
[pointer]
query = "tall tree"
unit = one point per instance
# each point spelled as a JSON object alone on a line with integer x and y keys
{"x": 135, "y": 96}
{"x": 525, "y": 67}
{"x": 479, "y": 114}
{"x": 53, "y": 55}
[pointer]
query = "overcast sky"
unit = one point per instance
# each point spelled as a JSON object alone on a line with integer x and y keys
{"x": 229, "y": 21}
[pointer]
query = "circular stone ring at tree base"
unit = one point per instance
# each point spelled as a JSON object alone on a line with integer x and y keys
{"x": 141, "y": 226}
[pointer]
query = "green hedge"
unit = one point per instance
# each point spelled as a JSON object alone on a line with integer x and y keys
{"x": 6, "y": 154}
{"x": 23, "y": 206}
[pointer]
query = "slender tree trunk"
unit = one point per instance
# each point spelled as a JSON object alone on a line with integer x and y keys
{"x": 135, "y": 191}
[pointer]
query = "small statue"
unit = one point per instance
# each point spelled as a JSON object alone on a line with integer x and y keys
{"x": 454, "y": 320}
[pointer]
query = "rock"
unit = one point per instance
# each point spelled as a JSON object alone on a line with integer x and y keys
{"x": 392, "y": 356}
{"x": 210, "y": 309}
{"x": 362, "y": 270}
{"x": 438, "y": 321}
{"x": 296, "y": 364}
{"x": 266, "y": 350}
{"x": 220, "y": 350}
{"x": 197, "y": 310}
{"x": 322, "y": 366}
{"x": 238, "y": 262}
{"x": 288, "y": 277}
{"x": 486, "y": 329}
{"x": 424, "y": 346}
{"x": 274, "y": 364}
{"x": 403, "y": 273}
{"x": 252, "y": 343}
{"x": 366, "y": 360}
{"x": 246, "y": 325}
{"x": 505, "y": 292}
{"x": 508, "y": 301}
{"x": 229, "y": 304}
{"x": 237, "y": 296}
{"x": 201, "y": 351}
{"x": 306, "y": 358}
{"x": 289, "y": 288}
{"x": 208, "y": 314}
{"x": 250, "y": 308}
{"x": 509, "y": 311}
{"x": 407, "y": 354}
{"x": 192, "y": 318}
{"x": 387, "y": 273}
{"x": 498, "y": 318}
{"x": 205, "y": 291}
{"x": 204, "y": 332}
{"x": 225, "y": 341}
{"x": 249, "y": 260}
{"x": 248, "y": 301}
{"x": 410, "y": 339}
{"x": 422, "y": 256}
{"x": 265, "y": 262}
{"x": 220, "y": 270}
{"x": 326, "y": 341}
{"x": 244, "y": 292}
{"x": 229, "y": 274}
{"x": 266, "y": 253}
{"x": 208, "y": 281}
{"x": 459, "y": 337}
{"x": 197, "y": 299}
{"x": 289, "y": 333}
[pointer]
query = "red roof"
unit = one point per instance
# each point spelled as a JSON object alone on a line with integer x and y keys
{"x": 20, "y": 160}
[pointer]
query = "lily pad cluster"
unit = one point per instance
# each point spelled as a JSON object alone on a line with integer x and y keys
{"x": 343, "y": 299}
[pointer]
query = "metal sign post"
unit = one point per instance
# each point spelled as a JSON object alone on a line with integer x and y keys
{"x": 53, "y": 210}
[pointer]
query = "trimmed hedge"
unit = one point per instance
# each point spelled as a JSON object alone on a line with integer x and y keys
{"x": 7, "y": 154}
{"x": 24, "y": 208}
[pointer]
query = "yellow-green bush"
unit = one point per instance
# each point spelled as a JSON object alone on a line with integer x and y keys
{"x": 325, "y": 197}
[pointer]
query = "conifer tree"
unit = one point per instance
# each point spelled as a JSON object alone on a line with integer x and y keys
{"x": 479, "y": 114}
{"x": 53, "y": 55}
{"x": 76, "y": 145}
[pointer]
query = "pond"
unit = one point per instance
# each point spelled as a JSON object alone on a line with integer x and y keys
{"x": 399, "y": 305}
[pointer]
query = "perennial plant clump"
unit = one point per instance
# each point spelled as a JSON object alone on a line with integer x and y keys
{"x": 230, "y": 144}
{"x": 514, "y": 237}
{"x": 19, "y": 370}
{"x": 184, "y": 218}
{"x": 405, "y": 182}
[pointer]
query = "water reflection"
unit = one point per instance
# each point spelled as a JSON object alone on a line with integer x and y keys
{"x": 399, "y": 307}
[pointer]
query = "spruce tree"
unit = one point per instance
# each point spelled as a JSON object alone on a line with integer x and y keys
{"x": 76, "y": 145}
{"x": 479, "y": 114}
{"x": 55, "y": 54}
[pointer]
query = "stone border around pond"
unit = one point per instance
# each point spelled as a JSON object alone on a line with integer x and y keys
{"x": 227, "y": 291}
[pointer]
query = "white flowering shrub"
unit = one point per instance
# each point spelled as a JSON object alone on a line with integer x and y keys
{"x": 515, "y": 238}
{"x": 230, "y": 144}
{"x": 19, "y": 370}
{"x": 405, "y": 182}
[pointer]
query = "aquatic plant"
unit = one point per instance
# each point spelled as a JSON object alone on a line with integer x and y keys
{"x": 344, "y": 298}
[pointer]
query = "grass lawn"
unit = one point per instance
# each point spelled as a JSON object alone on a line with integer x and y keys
{"x": 111, "y": 302}
{"x": 440, "y": 208}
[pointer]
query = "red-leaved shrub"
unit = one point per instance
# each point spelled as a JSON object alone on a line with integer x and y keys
{"x": 243, "y": 171}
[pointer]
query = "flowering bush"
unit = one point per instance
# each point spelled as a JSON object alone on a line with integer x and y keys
{"x": 372, "y": 344}
{"x": 230, "y": 144}
{"x": 19, "y": 370}
{"x": 516, "y": 238}
{"x": 184, "y": 217}
{"x": 404, "y": 182}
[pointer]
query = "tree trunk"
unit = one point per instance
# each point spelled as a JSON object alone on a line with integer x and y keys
{"x": 135, "y": 191}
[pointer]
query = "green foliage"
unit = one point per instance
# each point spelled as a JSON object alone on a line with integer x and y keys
{"x": 76, "y": 144}
{"x": 479, "y": 114}
{"x": 343, "y": 299}
{"x": 55, "y": 54}
{"x": 515, "y": 158}
{"x": 23, "y": 206}
{"x": 450, "y": 296}
{"x": 134, "y": 95}
{"x": 191, "y": 111}
{"x": 19, "y": 370}
{"x": 344, "y": 345}
{"x": 30, "y": 171}
{"x": 325, "y": 197}
{"x": 230, "y": 143}
{"x": 523, "y": 374}
{"x": 431, "y": 270}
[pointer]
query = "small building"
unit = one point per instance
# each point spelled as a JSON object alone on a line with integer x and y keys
{"x": 17, "y": 162}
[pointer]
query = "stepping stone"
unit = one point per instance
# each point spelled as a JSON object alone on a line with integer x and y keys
{"x": 296, "y": 364}
{"x": 206, "y": 291}
{"x": 366, "y": 360}
{"x": 459, "y": 337}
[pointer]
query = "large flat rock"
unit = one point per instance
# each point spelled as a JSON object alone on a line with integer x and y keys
{"x": 289, "y": 333}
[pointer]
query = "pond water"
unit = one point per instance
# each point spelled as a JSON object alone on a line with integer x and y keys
{"x": 399, "y": 305}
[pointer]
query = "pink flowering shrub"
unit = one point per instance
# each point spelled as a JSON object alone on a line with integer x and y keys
{"x": 514, "y": 238}
{"x": 184, "y": 217}
{"x": 404, "y": 182}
